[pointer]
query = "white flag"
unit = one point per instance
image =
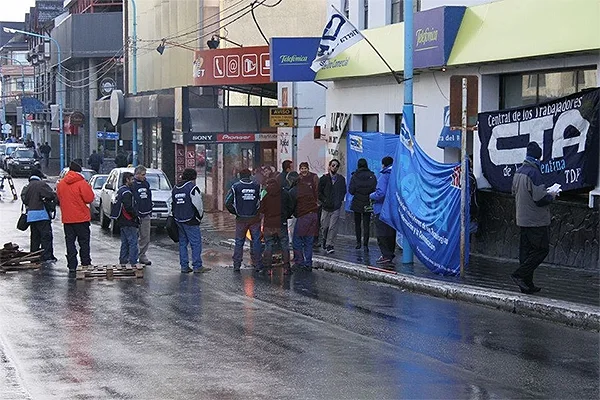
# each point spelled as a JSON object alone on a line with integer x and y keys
{"x": 338, "y": 35}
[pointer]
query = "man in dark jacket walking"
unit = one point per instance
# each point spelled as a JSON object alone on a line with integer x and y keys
{"x": 95, "y": 161}
{"x": 362, "y": 183}
{"x": 243, "y": 200}
{"x": 124, "y": 211}
{"x": 532, "y": 200}
{"x": 34, "y": 195}
{"x": 386, "y": 235}
{"x": 276, "y": 208}
{"x": 332, "y": 191}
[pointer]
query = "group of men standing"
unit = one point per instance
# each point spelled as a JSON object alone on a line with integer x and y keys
{"x": 131, "y": 210}
{"x": 315, "y": 203}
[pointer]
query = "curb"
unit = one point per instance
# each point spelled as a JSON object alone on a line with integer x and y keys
{"x": 564, "y": 312}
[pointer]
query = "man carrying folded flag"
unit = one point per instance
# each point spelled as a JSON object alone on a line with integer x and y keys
{"x": 338, "y": 35}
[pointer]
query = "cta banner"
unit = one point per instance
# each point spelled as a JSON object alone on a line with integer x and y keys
{"x": 449, "y": 137}
{"x": 566, "y": 129}
{"x": 423, "y": 201}
{"x": 337, "y": 125}
{"x": 372, "y": 146}
{"x": 291, "y": 58}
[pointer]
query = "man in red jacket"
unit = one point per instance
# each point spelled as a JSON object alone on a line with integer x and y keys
{"x": 74, "y": 196}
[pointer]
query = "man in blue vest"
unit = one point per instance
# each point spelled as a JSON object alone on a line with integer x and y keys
{"x": 243, "y": 200}
{"x": 188, "y": 211}
{"x": 124, "y": 211}
{"x": 143, "y": 199}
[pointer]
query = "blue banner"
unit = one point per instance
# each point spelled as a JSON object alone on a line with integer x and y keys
{"x": 448, "y": 137}
{"x": 372, "y": 146}
{"x": 423, "y": 201}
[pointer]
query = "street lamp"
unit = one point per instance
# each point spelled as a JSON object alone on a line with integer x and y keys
{"x": 22, "y": 91}
{"x": 59, "y": 94}
{"x": 134, "y": 147}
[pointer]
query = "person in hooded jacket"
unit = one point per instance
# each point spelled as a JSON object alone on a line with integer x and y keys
{"x": 362, "y": 183}
{"x": 34, "y": 195}
{"x": 124, "y": 210}
{"x": 386, "y": 235}
{"x": 276, "y": 209}
{"x": 74, "y": 196}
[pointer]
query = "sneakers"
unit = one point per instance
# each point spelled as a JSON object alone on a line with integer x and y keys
{"x": 329, "y": 250}
{"x": 145, "y": 261}
{"x": 202, "y": 270}
{"x": 187, "y": 270}
{"x": 383, "y": 260}
{"x": 236, "y": 268}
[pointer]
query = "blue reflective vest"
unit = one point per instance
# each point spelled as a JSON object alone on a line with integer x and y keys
{"x": 183, "y": 208}
{"x": 143, "y": 197}
{"x": 246, "y": 198}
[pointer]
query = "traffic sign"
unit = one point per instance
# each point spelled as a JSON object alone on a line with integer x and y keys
{"x": 281, "y": 117}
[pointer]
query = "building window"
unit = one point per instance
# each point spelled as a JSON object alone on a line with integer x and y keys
{"x": 347, "y": 9}
{"x": 525, "y": 89}
{"x": 370, "y": 123}
{"x": 366, "y": 8}
{"x": 397, "y": 10}
{"x": 397, "y": 123}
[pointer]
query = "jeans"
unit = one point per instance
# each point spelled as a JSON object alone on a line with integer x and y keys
{"x": 329, "y": 226}
{"x": 241, "y": 227}
{"x": 533, "y": 248}
{"x": 386, "y": 238}
{"x": 129, "y": 245}
{"x": 41, "y": 237}
{"x": 190, "y": 234}
{"x": 303, "y": 239}
{"x": 81, "y": 232}
{"x": 144, "y": 237}
{"x": 284, "y": 241}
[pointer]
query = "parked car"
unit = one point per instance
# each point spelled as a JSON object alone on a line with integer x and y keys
{"x": 21, "y": 161}
{"x": 6, "y": 150}
{"x": 161, "y": 195}
{"x": 96, "y": 183}
{"x": 86, "y": 172}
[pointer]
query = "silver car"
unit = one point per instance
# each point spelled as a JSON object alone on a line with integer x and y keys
{"x": 96, "y": 183}
{"x": 161, "y": 195}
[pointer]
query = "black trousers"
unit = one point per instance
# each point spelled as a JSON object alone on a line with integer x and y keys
{"x": 362, "y": 226}
{"x": 533, "y": 248}
{"x": 81, "y": 233}
{"x": 41, "y": 238}
{"x": 386, "y": 238}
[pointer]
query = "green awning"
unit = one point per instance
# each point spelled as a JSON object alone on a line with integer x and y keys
{"x": 515, "y": 29}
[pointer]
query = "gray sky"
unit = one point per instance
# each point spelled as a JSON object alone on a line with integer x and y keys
{"x": 15, "y": 10}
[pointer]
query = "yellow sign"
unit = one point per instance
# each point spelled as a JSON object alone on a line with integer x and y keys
{"x": 281, "y": 117}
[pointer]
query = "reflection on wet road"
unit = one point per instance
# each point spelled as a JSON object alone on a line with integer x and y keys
{"x": 223, "y": 335}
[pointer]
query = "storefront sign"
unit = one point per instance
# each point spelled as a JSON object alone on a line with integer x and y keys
{"x": 434, "y": 33}
{"x": 566, "y": 129}
{"x": 291, "y": 58}
{"x": 199, "y": 138}
{"x": 76, "y": 118}
{"x": 235, "y": 137}
{"x": 266, "y": 137}
{"x": 281, "y": 117}
{"x": 235, "y": 66}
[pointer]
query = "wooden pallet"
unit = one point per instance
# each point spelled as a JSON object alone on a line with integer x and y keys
{"x": 109, "y": 271}
{"x": 13, "y": 259}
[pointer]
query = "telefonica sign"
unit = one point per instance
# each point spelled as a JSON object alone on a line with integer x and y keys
{"x": 435, "y": 31}
{"x": 291, "y": 58}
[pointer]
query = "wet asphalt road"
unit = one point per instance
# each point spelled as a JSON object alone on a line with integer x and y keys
{"x": 223, "y": 335}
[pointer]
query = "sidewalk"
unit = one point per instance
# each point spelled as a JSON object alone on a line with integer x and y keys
{"x": 570, "y": 296}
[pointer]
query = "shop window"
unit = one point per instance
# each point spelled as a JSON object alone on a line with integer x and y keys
{"x": 370, "y": 123}
{"x": 525, "y": 89}
{"x": 397, "y": 10}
